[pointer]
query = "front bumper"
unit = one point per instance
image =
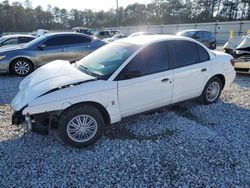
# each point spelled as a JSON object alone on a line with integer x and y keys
{"x": 4, "y": 67}
{"x": 19, "y": 119}
{"x": 242, "y": 67}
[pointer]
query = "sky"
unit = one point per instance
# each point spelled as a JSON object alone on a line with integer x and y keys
{"x": 95, "y": 5}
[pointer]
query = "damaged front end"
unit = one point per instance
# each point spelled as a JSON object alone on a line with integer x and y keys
{"x": 45, "y": 80}
{"x": 38, "y": 123}
{"x": 19, "y": 119}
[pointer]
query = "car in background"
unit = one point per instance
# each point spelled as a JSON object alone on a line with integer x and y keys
{"x": 105, "y": 34}
{"x": 114, "y": 38}
{"x": 231, "y": 45}
{"x": 15, "y": 40}
{"x": 22, "y": 60}
{"x": 121, "y": 79}
{"x": 82, "y": 30}
{"x": 205, "y": 37}
{"x": 140, "y": 34}
{"x": 242, "y": 65}
{"x": 239, "y": 47}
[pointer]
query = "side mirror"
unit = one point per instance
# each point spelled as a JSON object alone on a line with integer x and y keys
{"x": 196, "y": 37}
{"x": 41, "y": 47}
{"x": 132, "y": 74}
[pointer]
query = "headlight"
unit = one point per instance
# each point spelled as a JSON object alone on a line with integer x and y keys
{"x": 2, "y": 57}
{"x": 238, "y": 52}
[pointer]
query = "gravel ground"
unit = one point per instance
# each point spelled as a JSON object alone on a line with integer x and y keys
{"x": 189, "y": 145}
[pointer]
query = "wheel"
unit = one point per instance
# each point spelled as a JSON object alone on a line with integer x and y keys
{"x": 212, "y": 91}
{"x": 81, "y": 126}
{"x": 21, "y": 67}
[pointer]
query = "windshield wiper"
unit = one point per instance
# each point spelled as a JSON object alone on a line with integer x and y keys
{"x": 86, "y": 70}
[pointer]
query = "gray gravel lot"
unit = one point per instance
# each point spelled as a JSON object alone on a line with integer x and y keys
{"x": 188, "y": 145}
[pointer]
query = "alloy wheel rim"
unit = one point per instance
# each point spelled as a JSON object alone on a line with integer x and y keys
{"x": 213, "y": 91}
{"x": 22, "y": 67}
{"x": 82, "y": 128}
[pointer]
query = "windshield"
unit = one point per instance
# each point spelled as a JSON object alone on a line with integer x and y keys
{"x": 187, "y": 33}
{"x": 103, "y": 62}
{"x": 35, "y": 42}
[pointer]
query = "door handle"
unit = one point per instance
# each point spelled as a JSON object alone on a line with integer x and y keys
{"x": 203, "y": 70}
{"x": 165, "y": 80}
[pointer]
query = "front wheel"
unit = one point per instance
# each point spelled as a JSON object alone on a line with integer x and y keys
{"x": 21, "y": 67}
{"x": 81, "y": 126}
{"x": 212, "y": 91}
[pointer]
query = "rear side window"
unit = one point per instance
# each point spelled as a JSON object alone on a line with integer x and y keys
{"x": 203, "y": 55}
{"x": 57, "y": 41}
{"x": 199, "y": 35}
{"x": 185, "y": 53}
{"x": 208, "y": 35}
{"x": 25, "y": 39}
{"x": 152, "y": 59}
{"x": 80, "y": 39}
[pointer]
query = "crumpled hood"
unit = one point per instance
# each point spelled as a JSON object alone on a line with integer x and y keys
{"x": 48, "y": 77}
{"x": 245, "y": 43}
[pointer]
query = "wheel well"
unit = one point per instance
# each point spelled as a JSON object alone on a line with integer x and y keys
{"x": 222, "y": 78}
{"x": 98, "y": 106}
{"x": 20, "y": 58}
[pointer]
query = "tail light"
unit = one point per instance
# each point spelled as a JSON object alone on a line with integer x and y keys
{"x": 232, "y": 61}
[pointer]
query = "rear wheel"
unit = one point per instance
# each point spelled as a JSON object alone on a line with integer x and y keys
{"x": 212, "y": 91}
{"x": 21, "y": 67}
{"x": 81, "y": 126}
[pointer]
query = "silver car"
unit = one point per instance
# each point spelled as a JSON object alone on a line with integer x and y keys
{"x": 71, "y": 47}
{"x": 15, "y": 40}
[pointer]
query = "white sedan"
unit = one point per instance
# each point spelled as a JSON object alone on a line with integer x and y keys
{"x": 123, "y": 78}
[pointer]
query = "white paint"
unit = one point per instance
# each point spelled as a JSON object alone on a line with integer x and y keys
{"x": 120, "y": 98}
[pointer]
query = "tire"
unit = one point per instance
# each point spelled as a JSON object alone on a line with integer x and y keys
{"x": 21, "y": 67}
{"x": 73, "y": 134}
{"x": 209, "y": 95}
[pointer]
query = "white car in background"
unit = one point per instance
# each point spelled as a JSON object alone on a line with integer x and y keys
{"x": 123, "y": 78}
{"x": 114, "y": 38}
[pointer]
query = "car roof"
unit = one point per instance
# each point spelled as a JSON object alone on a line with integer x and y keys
{"x": 192, "y": 30}
{"x": 66, "y": 33}
{"x": 148, "y": 39}
{"x": 17, "y": 35}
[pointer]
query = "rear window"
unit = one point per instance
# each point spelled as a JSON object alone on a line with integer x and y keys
{"x": 25, "y": 39}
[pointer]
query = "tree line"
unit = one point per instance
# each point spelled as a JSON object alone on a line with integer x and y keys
{"x": 22, "y": 17}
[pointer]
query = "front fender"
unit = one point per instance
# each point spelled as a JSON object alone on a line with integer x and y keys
{"x": 62, "y": 99}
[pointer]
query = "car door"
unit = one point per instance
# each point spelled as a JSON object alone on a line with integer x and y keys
{"x": 56, "y": 48}
{"x": 191, "y": 69}
{"x": 146, "y": 82}
{"x": 83, "y": 46}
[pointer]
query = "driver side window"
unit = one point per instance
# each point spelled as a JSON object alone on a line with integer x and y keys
{"x": 152, "y": 59}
